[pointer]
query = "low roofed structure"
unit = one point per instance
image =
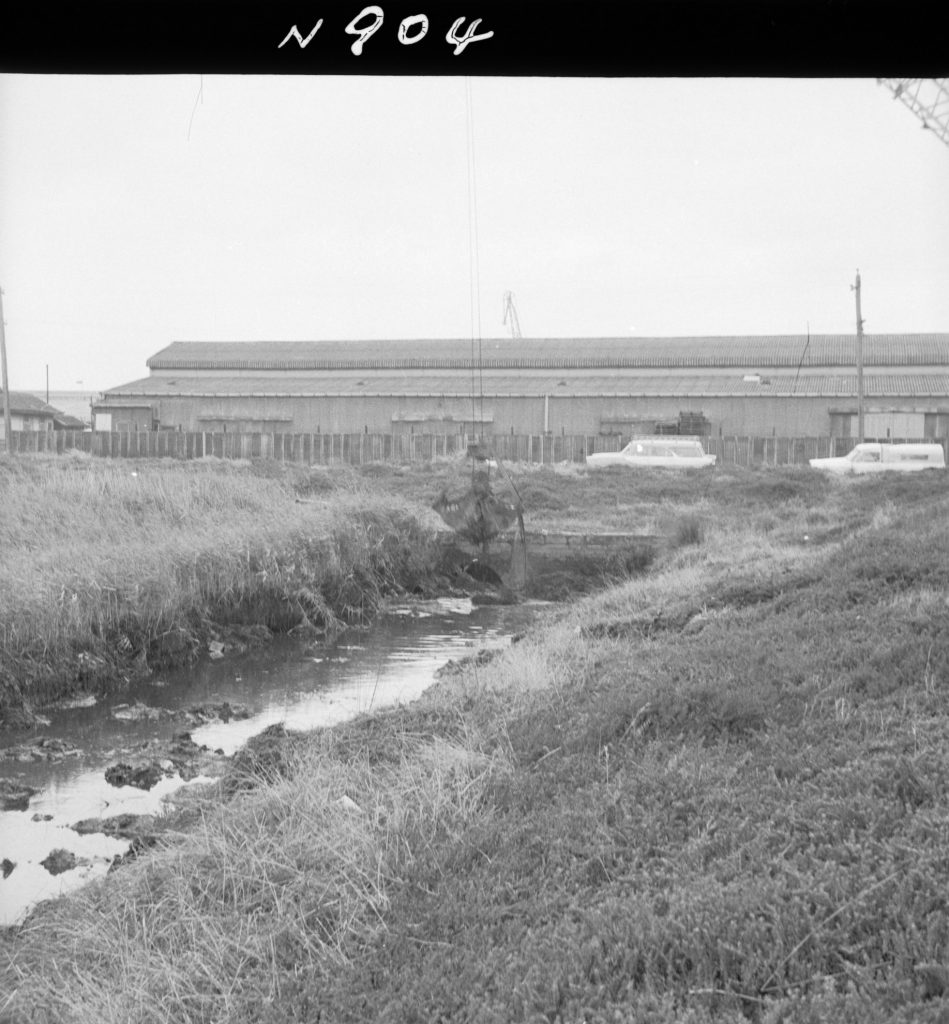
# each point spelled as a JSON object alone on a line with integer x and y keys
{"x": 27, "y": 413}
{"x": 785, "y": 385}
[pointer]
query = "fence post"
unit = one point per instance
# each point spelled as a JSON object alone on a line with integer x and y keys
{"x": 327, "y": 449}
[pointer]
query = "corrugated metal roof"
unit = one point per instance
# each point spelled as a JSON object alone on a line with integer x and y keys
{"x": 458, "y": 385}
{"x": 753, "y": 352}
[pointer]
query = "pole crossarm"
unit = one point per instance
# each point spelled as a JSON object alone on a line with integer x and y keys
{"x": 927, "y": 98}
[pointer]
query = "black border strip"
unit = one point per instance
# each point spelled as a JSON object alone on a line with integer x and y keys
{"x": 636, "y": 38}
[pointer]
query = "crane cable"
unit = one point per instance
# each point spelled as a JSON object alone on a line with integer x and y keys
{"x": 474, "y": 272}
{"x": 473, "y": 262}
{"x": 801, "y": 363}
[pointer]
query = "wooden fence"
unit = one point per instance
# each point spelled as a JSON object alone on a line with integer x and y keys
{"x": 358, "y": 449}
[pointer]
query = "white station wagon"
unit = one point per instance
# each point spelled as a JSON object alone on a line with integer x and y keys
{"x": 674, "y": 452}
{"x": 875, "y": 457}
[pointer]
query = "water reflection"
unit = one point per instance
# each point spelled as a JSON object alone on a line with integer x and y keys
{"x": 302, "y": 684}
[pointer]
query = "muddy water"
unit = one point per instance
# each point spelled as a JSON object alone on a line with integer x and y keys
{"x": 303, "y": 684}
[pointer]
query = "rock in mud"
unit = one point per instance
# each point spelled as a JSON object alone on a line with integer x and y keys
{"x": 237, "y": 639}
{"x": 241, "y": 638}
{"x": 268, "y": 755}
{"x": 138, "y": 844}
{"x": 59, "y": 861}
{"x": 121, "y": 826}
{"x": 15, "y": 796}
{"x": 192, "y": 760}
{"x": 183, "y": 745}
{"x": 43, "y": 748}
{"x": 80, "y": 700}
{"x": 139, "y": 712}
{"x": 6, "y": 867}
{"x": 347, "y": 803}
{"x": 223, "y": 712}
{"x": 142, "y": 776}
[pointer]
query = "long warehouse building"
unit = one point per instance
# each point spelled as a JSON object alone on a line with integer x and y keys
{"x": 790, "y": 386}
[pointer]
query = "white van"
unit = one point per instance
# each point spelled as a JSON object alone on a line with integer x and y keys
{"x": 875, "y": 457}
{"x": 672, "y": 451}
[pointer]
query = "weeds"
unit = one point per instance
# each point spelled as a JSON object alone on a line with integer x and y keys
{"x": 687, "y": 530}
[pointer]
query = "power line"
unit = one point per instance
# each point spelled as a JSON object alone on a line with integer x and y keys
{"x": 474, "y": 269}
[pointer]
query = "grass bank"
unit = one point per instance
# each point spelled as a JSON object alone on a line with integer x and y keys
{"x": 716, "y": 793}
{"x": 107, "y": 568}
{"x": 110, "y": 568}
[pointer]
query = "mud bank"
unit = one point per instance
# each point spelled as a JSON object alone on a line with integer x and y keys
{"x": 547, "y": 566}
{"x": 233, "y": 601}
{"x": 410, "y": 563}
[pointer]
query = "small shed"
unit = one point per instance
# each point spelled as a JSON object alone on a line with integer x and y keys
{"x": 27, "y": 413}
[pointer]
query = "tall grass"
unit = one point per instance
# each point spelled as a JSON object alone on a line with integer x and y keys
{"x": 102, "y": 563}
{"x": 260, "y": 898}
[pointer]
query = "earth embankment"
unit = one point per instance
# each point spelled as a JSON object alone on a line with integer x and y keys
{"x": 112, "y": 569}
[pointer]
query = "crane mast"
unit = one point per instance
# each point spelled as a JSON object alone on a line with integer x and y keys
{"x": 927, "y": 98}
{"x": 510, "y": 315}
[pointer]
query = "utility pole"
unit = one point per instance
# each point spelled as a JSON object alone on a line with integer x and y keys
{"x": 7, "y": 431}
{"x": 856, "y": 288}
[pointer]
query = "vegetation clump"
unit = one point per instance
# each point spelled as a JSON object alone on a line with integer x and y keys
{"x": 688, "y": 530}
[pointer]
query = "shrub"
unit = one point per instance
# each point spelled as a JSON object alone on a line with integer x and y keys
{"x": 688, "y": 530}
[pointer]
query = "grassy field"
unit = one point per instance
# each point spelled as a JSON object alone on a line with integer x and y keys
{"x": 717, "y": 792}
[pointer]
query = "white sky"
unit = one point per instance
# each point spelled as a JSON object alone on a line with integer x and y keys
{"x": 135, "y": 211}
